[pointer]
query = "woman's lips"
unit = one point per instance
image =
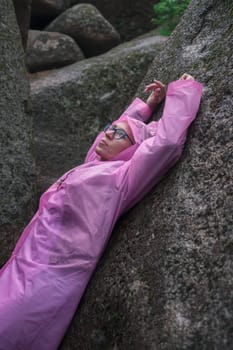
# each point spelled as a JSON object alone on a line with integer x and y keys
{"x": 103, "y": 142}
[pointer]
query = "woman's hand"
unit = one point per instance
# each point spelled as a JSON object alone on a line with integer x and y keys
{"x": 157, "y": 95}
{"x": 186, "y": 76}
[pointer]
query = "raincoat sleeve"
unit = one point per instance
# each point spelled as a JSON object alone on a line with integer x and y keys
{"x": 157, "y": 154}
{"x": 138, "y": 109}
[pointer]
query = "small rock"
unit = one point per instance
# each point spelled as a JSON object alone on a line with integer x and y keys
{"x": 83, "y": 22}
{"x": 46, "y": 50}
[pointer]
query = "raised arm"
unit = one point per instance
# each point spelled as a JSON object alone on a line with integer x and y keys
{"x": 138, "y": 109}
{"x": 158, "y": 153}
{"x": 142, "y": 110}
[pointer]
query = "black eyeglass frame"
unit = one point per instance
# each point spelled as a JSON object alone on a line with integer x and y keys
{"x": 122, "y": 135}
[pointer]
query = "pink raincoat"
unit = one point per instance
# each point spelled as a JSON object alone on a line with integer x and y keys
{"x": 42, "y": 283}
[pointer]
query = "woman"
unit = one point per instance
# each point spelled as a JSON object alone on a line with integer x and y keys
{"x": 43, "y": 281}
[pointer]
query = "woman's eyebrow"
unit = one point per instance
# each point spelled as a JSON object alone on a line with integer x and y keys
{"x": 119, "y": 127}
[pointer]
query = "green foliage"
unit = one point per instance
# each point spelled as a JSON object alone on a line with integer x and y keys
{"x": 168, "y": 13}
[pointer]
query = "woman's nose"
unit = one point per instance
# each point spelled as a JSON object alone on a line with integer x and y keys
{"x": 109, "y": 134}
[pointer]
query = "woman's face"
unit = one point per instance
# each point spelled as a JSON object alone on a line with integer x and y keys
{"x": 109, "y": 146}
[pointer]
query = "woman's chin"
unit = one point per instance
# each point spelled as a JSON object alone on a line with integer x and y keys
{"x": 101, "y": 153}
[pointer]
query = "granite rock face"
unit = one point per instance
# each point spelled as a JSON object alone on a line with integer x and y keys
{"x": 16, "y": 162}
{"x": 71, "y": 105}
{"x": 165, "y": 281}
{"x": 92, "y": 32}
{"x": 47, "y": 50}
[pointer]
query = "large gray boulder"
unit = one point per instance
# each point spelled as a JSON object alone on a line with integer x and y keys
{"x": 72, "y": 104}
{"x": 16, "y": 162}
{"x": 92, "y": 32}
{"x": 129, "y": 18}
{"x": 48, "y": 50}
{"x": 166, "y": 280}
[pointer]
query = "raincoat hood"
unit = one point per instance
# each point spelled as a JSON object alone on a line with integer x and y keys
{"x": 140, "y": 132}
{"x": 135, "y": 116}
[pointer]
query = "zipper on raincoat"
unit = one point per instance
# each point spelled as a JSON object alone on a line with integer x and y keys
{"x": 61, "y": 181}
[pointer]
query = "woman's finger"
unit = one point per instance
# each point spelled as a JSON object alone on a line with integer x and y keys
{"x": 156, "y": 83}
{"x": 153, "y": 86}
{"x": 159, "y": 83}
{"x": 186, "y": 76}
{"x": 150, "y": 87}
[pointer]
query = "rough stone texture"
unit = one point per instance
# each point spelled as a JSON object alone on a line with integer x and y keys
{"x": 165, "y": 281}
{"x": 48, "y": 50}
{"x": 72, "y": 104}
{"x": 92, "y": 32}
{"x": 23, "y": 14}
{"x": 16, "y": 163}
{"x": 130, "y": 18}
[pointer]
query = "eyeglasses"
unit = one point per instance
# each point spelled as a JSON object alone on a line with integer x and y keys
{"x": 117, "y": 132}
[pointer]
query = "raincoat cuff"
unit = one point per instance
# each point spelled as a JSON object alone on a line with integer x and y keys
{"x": 142, "y": 109}
{"x": 179, "y": 84}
